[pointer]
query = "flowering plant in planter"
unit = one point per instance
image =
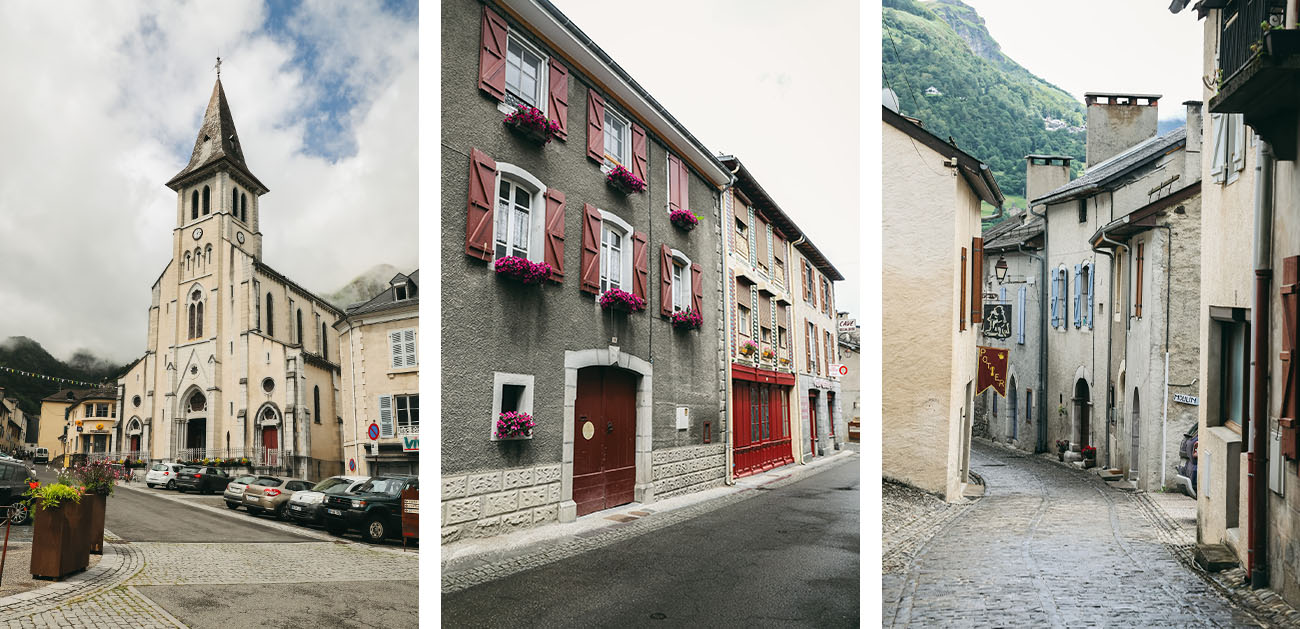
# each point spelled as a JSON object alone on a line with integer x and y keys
{"x": 621, "y": 300}
{"x": 243, "y": 461}
{"x": 688, "y": 319}
{"x": 1089, "y": 452}
{"x": 624, "y": 180}
{"x": 768, "y": 354}
{"x": 522, "y": 270}
{"x": 96, "y": 477}
{"x": 531, "y": 123}
{"x": 748, "y": 347}
{"x": 514, "y": 425}
{"x": 684, "y": 219}
{"x": 52, "y": 495}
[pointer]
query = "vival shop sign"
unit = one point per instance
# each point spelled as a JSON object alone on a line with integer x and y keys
{"x": 1187, "y": 399}
{"x": 410, "y": 436}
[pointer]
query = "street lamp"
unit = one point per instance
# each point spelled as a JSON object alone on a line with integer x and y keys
{"x": 1000, "y": 269}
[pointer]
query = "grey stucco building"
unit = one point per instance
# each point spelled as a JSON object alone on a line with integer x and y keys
{"x": 627, "y": 406}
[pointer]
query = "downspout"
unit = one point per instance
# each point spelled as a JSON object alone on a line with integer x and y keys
{"x": 1164, "y": 412}
{"x": 730, "y": 478}
{"x": 798, "y": 401}
{"x": 1109, "y": 344}
{"x": 1040, "y": 439}
{"x": 1042, "y": 261}
{"x": 1256, "y": 541}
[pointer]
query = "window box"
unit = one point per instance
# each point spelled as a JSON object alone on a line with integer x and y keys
{"x": 748, "y": 348}
{"x": 768, "y": 354}
{"x": 530, "y": 123}
{"x": 624, "y": 181}
{"x": 515, "y": 426}
{"x": 616, "y": 299}
{"x": 684, "y": 219}
{"x": 687, "y": 319}
{"x": 522, "y": 270}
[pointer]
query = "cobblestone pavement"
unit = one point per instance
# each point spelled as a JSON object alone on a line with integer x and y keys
{"x": 1051, "y": 546}
{"x": 908, "y": 518}
{"x": 191, "y": 564}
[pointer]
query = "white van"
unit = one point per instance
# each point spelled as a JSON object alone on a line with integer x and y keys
{"x": 42, "y": 456}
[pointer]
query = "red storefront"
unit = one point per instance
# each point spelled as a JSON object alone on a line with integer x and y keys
{"x": 760, "y": 419}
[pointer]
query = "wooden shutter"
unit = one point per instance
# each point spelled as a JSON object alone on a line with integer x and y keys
{"x": 395, "y": 348}
{"x": 640, "y": 264}
{"x": 595, "y": 126}
{"x": 1219, "y": 155}
{"x": 408, "y": 347}
{"x": 1238, "y": 135}
{"x": 492, "y": 55}
{"x": 1137, "y": 296}
{"x": 961, "y": 305}
{"x": 977, "y": 280}
{"x": 1092, "y": 276}
{"x": 665, "y": 280}
{"x": 1020, "y": 315}
{"x": 683, "y": 185}
{"x": 478, "y": 225}
{"x": 640, "y": 155}
{"x": 803, "y": 275}
{"x": 1056, "y": 299}
{"x": 1077, "y": 288}
{"x": 674, "y": 182}
{"x": 385, "y": 416}
{"x": 697, "y": 288}
{"x": 589, "y": 270}
{"x": 558, "y": 99}
{"x": 554, "y": 250}
{"x": 1290, "y": 387}
{"x": 807, "y": 349}
{"x": 760, "y": 236}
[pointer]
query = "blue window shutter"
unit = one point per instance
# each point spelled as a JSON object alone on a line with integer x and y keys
{"x": 1055, "y": 298}
{"x": 1077, "y": 322}
{"x": 1020, "y": 316}
{"x": 1002, "y": 294}
{"x": 1092, "y": 275}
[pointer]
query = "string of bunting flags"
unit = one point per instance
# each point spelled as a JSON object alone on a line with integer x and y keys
{"x": 41, "y": 376}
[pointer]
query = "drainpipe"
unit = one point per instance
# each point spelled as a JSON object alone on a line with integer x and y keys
{"x": 726, "y": 325}
{"x": 799, "y": 400}
{"x": 1256, "y": 541}
{"x": 1164, "y": 413}
{"x": 1040, "y": 439}
{"x": 1109, "y": 326}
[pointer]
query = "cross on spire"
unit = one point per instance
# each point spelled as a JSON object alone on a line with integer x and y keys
{"x": 218, "y": 66}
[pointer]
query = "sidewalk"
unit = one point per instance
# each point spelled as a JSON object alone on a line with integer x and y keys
{"x": 467, "y": 563}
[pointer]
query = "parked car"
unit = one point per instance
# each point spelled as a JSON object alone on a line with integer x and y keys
{"x": 234, "y": 493}
{"x": 269, "y": 494}
{"x": 374, "y": 508}
{"x": 42, "y": 456}
{"x": 203, "y": 479}
{"x": 1185, "y": 471}
{"x": 306, "y": 506}
{"x": 13, "y": 483}
{"x": 163, "y": 474}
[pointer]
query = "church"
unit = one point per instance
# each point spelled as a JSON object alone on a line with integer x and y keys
{"x": 240, "y": 362}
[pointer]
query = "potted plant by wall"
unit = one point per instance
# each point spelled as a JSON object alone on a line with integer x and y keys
{"x": 624, "y": 181}
{"x": 515, "y": 425}
{"x": 1061, "y": 446}
{"x": 615, "y": 299}
{"x": 768, "y": 354}
{"x": 59, "y": 545}
{"x": 689, "y": 319}
{"x": 97, "y": 480}
{"x": 1089, "y": 456}
{"x": 522, "y": 270}
{"x": 531, "y": 124}
{"x": 684, "y": 219}
{"x": 748, "y": 348}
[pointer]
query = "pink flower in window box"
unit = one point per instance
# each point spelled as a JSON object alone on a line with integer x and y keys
{"x": 623, "y": 179}
{"x": 684, "y": 219}
{"x": 621, "y": 300}
{"x": 522, "y": 270}
{"x": 532, "y": 124}
{"x": 688, "y": 319}
{"x": 748, "y": 348}
{"x": 515, "y": 425}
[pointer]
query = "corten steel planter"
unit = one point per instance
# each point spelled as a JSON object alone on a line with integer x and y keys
{"x": 95, "y": 505}
{"x": 537, "y": 136}
{"x": 59, "y": 544}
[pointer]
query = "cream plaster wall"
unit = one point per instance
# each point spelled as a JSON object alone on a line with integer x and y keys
{"x": 368, "y": 373}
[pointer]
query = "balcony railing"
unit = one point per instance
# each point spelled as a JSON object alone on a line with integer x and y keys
{"x": 1259, "y": 68}
{"x": 1242, "y": 34}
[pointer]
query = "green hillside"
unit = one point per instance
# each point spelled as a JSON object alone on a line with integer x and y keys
{"x": 24, "y": 354}
{"x": 988, "y": 104}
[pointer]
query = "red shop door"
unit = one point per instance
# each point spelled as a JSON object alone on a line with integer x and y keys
{"x": 604, "y": 443}
{"x": 812, "y": 422}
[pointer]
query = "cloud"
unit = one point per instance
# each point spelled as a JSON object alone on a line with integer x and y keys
{"x": 105, "y": 107}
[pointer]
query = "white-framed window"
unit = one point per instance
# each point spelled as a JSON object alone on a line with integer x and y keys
{"x": 511, "y": 393}
{"x": 401, "y": 344}
{"x": 742, "y": 239}
{"x": 615, "y": 253}
{"x": 407, "y": 410}
{"x": 519, "y": 224}
{"x": 681, "y": 276}
{"x": 526, "y": 74}
{"x": 618, "y": 139}
{"x": 743, "y": 326}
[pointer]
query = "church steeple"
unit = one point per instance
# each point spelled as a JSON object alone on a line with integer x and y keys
{"x": 217, "y": 142}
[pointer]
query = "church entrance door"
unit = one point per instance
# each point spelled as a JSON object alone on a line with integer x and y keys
{"x": 196, "y": 434}
{"x": 270, "y": 445}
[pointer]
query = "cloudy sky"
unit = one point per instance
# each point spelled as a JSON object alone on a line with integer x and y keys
{"x": 751, "y": 78}
{"x": 102, "y": 105}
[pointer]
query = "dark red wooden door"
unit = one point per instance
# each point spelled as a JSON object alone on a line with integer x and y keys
{"x": 270, "y": 443}
{"x": 135, "y": 443}
{"x": 812, "y": 422}
{"x": 604, "y": 443}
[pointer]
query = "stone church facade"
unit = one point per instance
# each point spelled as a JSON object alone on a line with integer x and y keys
{"x": 240, "y": 360}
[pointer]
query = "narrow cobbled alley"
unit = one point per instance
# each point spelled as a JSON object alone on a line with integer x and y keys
{"x": 1050, "y": 546}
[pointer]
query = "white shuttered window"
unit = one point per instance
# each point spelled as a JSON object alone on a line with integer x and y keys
{"x": 402, "y": 344}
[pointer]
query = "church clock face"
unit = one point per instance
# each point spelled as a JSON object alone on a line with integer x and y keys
{"x": 198, "y": 233}
{"x": 240, "y": 237}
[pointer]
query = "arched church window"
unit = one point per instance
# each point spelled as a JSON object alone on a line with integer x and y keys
{"x": 234, "y": 201}
{"x": 270, "y": 317}
{"x": 243, "y": 207}
{"x": 324, "y": 345}
{"x": 198, "y": 258}
{"x": 197, "y": 402}
{"x": 207, "y": 255}
{"x": 194, "y": 205}
{"x": 206, "y": 204}
{"x": 196, "y": 313}
{"x": 301, "y": 341}
{"x": 190, "y": 330}
{"x": 269, "y": 415}
{"x": 188, "y": 261}
{"x": 316, "y": 404}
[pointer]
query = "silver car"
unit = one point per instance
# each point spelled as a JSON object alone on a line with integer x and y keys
{"x": 305, "y": 506}
{"x": 234, "y": 493}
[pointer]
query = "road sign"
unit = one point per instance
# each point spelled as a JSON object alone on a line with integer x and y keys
{"x": 352, "y": 465}
{"x": 374, "y": 431}
{"x": 844, "y": 370}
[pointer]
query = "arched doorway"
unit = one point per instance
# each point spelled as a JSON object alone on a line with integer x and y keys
{"x": 1082, "y": 408}
{"x": 196, "y": 423}
{"x": 133, "y": 430}
{"x": 604, "y": 451}
{"x": 1135, "y": 461}
{"x": 1012, "y": 406}
{"x": 268, "y": 436}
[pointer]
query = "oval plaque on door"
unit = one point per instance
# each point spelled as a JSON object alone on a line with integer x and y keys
{"x": 588, "y": 430}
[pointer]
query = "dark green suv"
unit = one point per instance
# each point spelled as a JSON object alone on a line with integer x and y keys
{"x": 374, "y": 508}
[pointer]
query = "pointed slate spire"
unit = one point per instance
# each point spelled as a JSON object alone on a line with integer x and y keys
{"x": 217, "y": 141}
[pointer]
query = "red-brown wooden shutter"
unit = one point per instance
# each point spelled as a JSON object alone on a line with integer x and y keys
{"x": 812, "y": 286}
{"x": 640, "y": 265}
{"x": 665, "y": 280}
{"x": 589, "y": 271}
{"x": 697, "y": 288}
{"x": 554, "y": 250}
{"x": 961, "y": 305}
{"x": 977, "y": 280}
{"x": 492, "y": 55}
{"x": 803, "y": 275}
{"x": 1290, "y": 389}
{"x": 683, "y": 185}
{"x": 595, "y": 126}
{"x": 558, "y": 102}
{"x": 674, "y": 183}
{"x": 478, "y": 225}
{"x": 640, "y": 158}
{"x": 807, "y": 349}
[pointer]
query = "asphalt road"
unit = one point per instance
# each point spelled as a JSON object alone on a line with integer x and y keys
{"x": 789, "y": 558}
{"x": 142, "y": 516}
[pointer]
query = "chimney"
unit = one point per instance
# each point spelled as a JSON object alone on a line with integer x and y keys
{"x": 1194, "y": 122}
{"x": 1118, "y": 121}
{"x": 1045, "y": 173}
